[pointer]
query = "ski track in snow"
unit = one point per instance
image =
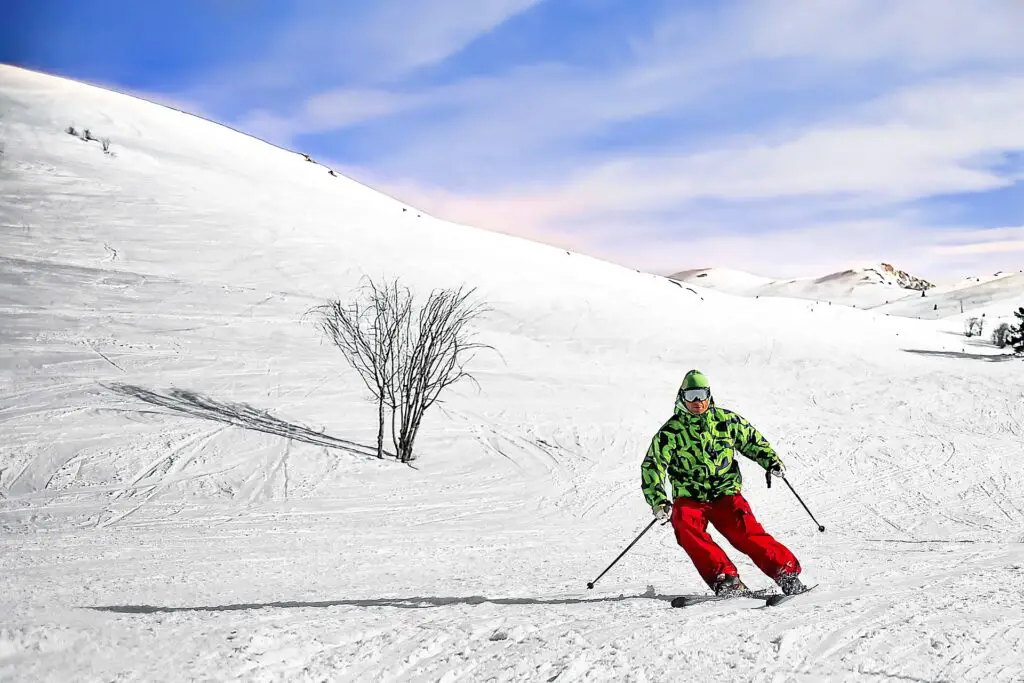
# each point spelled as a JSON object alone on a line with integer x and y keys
{"x": 188, "y": 489}
{"x": 909, "y": 621}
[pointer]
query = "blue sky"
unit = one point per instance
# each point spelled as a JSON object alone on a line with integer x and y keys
{"x": 782, "y": 137}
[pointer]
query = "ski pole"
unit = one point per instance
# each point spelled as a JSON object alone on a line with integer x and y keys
{"x": 646, "y": 529}
{"x": 769, "y": 475}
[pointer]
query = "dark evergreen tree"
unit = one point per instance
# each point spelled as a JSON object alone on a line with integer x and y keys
{"x": 1016, "y": 338}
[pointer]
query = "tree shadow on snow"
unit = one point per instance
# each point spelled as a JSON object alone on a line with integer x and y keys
{"x": 991, "y": 358}
{"x": 241, "y": 415}
{"x": 405, "y": 603}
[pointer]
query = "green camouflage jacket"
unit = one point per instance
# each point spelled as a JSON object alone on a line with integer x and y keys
{"x": 698, "y": 455}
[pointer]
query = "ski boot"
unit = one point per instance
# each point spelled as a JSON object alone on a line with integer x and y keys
{"x": 729, "y": 586}
{"x": 790, "y": 583}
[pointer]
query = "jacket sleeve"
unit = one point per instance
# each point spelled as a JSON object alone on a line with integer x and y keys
{"x": 652, "y": 472}
{"x": 751, "y": 443}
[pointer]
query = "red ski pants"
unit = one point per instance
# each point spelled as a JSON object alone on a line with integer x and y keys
{"x": 732, "y": 517}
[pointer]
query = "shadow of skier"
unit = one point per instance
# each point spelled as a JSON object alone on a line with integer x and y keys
{"x": 988, "y": 357}
{"x": 404, "y": 603}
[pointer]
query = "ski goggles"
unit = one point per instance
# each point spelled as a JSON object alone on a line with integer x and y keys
{"x": 693, "y": 395}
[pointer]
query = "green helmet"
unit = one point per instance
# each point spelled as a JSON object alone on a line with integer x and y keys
{"x": 695, "y": 379}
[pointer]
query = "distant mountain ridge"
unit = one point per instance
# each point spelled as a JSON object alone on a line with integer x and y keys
{"x": 902, "y": 278}
{"x": 883, "y": 273}
{"x": 882, "y": 287}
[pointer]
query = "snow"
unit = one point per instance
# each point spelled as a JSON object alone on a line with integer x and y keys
{"x": 996, "y": 297}
{"x": 185, "y": 492}
{"x": 862, "y": 287}
{"x": 724, "y": 279}
{"x": 878, "y": 289}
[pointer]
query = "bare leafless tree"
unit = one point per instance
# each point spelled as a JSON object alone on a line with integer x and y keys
{"x": 367, "y": 330}
{"x": 973, "y": 327}
{"x": 1001, "y": 335}
{"x": 433, "y": 352}
{"x": 406, "y": 355}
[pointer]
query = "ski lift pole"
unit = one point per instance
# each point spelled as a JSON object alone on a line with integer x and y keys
{"x": 646, "y": 529}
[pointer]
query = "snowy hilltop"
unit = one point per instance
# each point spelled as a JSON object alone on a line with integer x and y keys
{"x": 884, "y": 288}
{"x": 902, "y": 278}
{"x": 189, "y": 488}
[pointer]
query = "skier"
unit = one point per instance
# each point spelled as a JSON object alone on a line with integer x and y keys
{"x": 696, "y": 449}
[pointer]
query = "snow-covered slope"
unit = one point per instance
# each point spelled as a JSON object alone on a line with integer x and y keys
{"x": 884, "y": 288}
{"x": 993, "y": 296}
{"x": 860, "y": 287}
{"x": 724, "y": 280}
{"x": 185, "y": 494}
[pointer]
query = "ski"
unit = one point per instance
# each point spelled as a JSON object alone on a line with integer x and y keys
{"x": 770, "y": 597}
{"x": 688, "y": 600}
{"x": 781, "y": 598}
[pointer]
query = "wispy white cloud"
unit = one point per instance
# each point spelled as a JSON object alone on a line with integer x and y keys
{"x": 916, "y": 143}
{"x": 684, "y": 145}
{"x": 911, "y": 35}
{"x": 532, "y": 118}
{"x": 396, "y": 37}
{"x": 983, "y": 242}
{"x": 921, "y": 142}
{"x": 354, "y": 46}
{"x": 812, "y": 249}
{"x": 326, "y": 111}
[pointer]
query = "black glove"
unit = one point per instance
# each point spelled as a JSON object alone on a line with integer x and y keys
{"x": 777, "y": 469}
{"x": 663, "y": 512}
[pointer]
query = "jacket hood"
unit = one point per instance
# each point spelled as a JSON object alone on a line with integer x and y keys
{"x": 695, "y": 379}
